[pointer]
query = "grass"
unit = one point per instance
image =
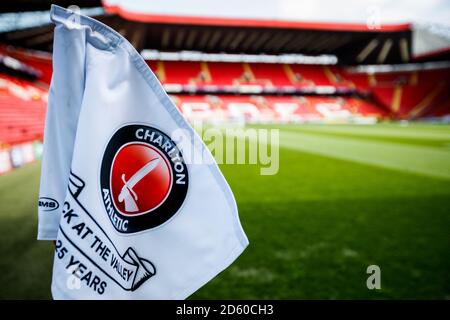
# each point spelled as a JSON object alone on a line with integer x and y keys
{"x": 345, "y": 197}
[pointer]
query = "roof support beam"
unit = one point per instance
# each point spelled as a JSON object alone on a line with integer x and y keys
{"x": 137, "y": 38}
{"x": 263, "y": 38}
{"x": 179, "y": 38}
{"x": 284, "y": 41}
{"x": 385, "y": 50}
{"x": 204, "y": 37}
{"x": 269, "y": 45}
{"x": 226, "y": 41}
{"x": 27, "y": 33}
{"x": 39, "y": 40}
{"x": 214, "y": 39}
{"x": 404, "y": 50}
{"x": 367, "y": 50}
{"x": 301, "y": 42}
{"x": 191, "y": 38}
{"x": 165, "y": 37}
{"x": 236, "y": 41}
{"x": 249, "y": 41}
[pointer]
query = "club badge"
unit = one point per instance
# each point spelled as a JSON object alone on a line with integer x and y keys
{"x": 143, "y": 178}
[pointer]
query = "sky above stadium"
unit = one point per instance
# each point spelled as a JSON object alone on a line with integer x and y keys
{"x": 387, "y": 11}
{"x": 360, "y": 11}
{"x": 371, "y": 12}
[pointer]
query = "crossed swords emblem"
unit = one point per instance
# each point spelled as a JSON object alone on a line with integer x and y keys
{"x": 127, "y": 193}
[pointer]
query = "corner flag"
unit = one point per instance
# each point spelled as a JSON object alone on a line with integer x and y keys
{"x": 133, "y": 216}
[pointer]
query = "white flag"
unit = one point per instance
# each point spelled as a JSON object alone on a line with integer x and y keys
{"x": 134, "y": 218}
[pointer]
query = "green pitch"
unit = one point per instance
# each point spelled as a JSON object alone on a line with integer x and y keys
{"x": 345, "y": 197}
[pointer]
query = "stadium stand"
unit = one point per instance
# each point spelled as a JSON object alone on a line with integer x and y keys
{"x": 405, "y": 95}
{"x": 396, "y": 94}
{"x": 439, "y": 111}
{"x": 274, "y": 109}
{"x": 410, "y": 95}
{"x": 22, "y": 113}
{"x": 41, "y": 61}
{"x": 392, "y": 86}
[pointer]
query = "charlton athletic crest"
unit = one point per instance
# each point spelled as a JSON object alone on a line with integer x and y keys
{"x": 143, "y": 178}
